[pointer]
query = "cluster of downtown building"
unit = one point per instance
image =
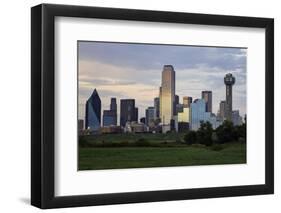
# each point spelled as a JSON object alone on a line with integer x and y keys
{"x": 166, "y": 114}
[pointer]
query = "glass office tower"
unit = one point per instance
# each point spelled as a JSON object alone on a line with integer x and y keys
{"x": 128, "y": 111}
{"x": 167, "y": 96}
{"x": 110, "y": 116}
{"x": 93, "y": 112}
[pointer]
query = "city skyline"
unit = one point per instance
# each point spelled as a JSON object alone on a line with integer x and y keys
{"x": 124, "y": 78}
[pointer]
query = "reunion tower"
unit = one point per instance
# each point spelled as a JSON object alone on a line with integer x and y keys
{"x": 229, "y": 81}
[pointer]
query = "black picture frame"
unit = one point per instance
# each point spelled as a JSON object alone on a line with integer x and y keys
{"x": 43, "y": 105}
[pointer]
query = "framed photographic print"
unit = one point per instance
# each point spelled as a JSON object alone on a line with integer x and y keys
{"x": 139, "y": 106}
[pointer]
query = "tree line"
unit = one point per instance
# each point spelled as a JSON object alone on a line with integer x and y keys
{"x": 225, "y": 133}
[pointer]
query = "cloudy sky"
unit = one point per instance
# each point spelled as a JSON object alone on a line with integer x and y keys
{"x": 125, "y": 70}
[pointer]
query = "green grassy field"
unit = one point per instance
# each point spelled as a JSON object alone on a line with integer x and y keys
{"x": 170, "y": 153}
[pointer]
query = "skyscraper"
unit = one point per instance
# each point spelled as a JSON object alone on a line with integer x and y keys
{"x": 229, "y": 81}
{"x": 110, "y": 116}
{"x": 222, "y": 110}
{"x": 207, "y": 96}
{"x": 150, "y": 116}
{"x": 93, "y": 112}
{"x": 136, "y": 114}
{"x": 179, "y": 108}
{"x": 187, "y": 101}
{"x": 176, "y": 102}
{"x": 198, "y": 114}
{"x": 167, "y": 96}
{"x": 113, "y": 105}
{"x": 128, "y": 111}
{"x": 157, "y": 106}
{"x": 184, "y": 116}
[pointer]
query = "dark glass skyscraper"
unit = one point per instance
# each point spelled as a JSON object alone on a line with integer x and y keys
{"x": 229, "y": 81}
{"x": 113, "y": 104}
{"x": 222, "y": 110}
{"x": 207, "y": 97}
{"x": 93, "y": 112}
{"x": 136, "y": 117}
{"x": 110, "y": 116}
{"x": 150, "y": 116}
{"x": 176, "y": 102}
{"x": 157, "y": 106}
{"x": 128, "y": 111}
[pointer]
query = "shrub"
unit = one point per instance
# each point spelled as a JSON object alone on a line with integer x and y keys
{"x": 216, "y": 147}
{"x": 116, "y": 144}
{"x": 226, "y": 132}
{"x": 190, "y": 137}
{"x": 205, "y": 133}
{"x": 124, "y": 143}
{"x": 142, "y": 142}
{"x": 105, "y": 144}
{"x": 241, "y": 131}
{"x": 197, "y": 145}
{"x": 242, "y": 140}
{"x": 83, "y": 142}
{"x": 178, "y": 141}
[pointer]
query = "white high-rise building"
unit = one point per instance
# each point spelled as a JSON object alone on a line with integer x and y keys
{"x": 167, "y": 96}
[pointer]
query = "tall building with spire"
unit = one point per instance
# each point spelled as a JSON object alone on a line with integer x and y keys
{"x": 93, "y": 112}
{"x": 167, "y": 96}
{"x": 229, "y": 81}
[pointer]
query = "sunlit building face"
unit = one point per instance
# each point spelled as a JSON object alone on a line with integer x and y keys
{"x": 184, "y": 115}
{"x": 167, "y": 94}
